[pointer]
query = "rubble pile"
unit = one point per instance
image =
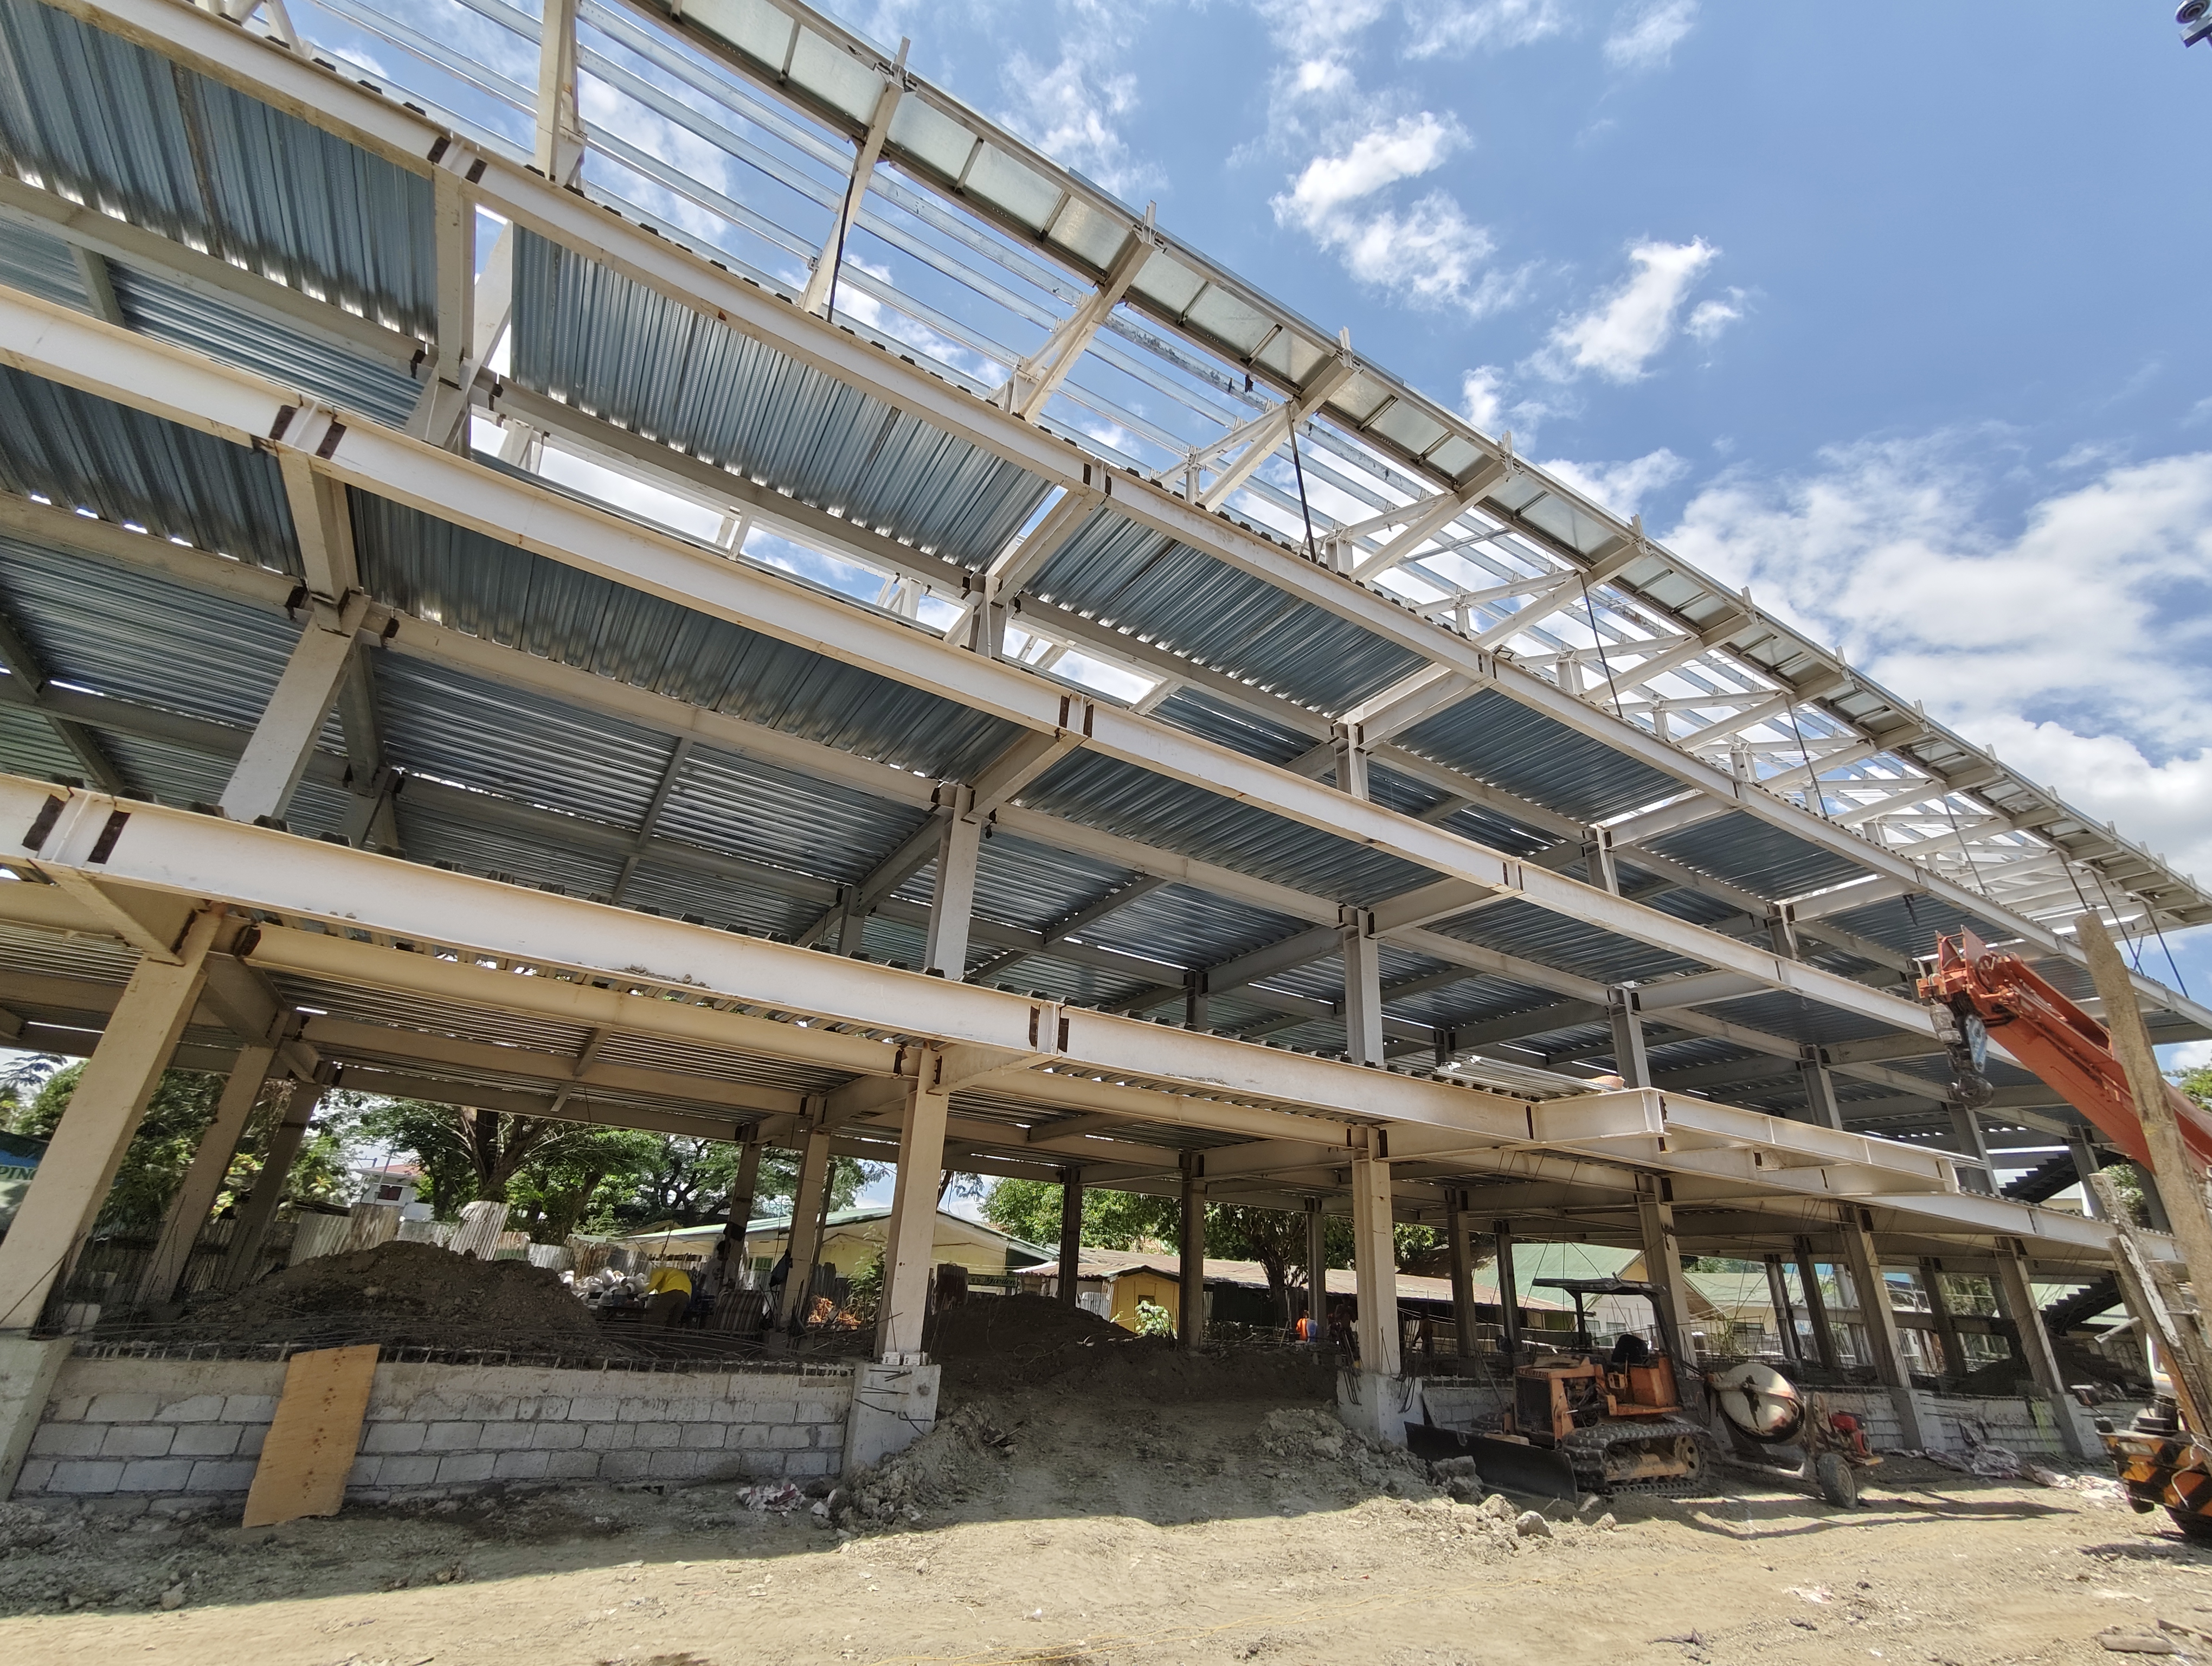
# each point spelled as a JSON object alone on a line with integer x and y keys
{"x": 401, "y": 1295}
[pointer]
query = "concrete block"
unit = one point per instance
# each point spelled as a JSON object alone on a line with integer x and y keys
{"x": 463, "y": 1467}
{"x": 788, "y": 1436}
{"x": 610, "y": 1437}
{"x": 59, "y": 1440}
{"x": 220, "y": 1476}
{"x": 702, "y": 1437}
{"x": 200, "y": 1409}
{"x": 68, "y": 1408}
{"x": 409, "y": 1469}
{"x": 674, "y": 1465}
{"x": 205, "y": 1440}
{"x": 572, "y": 1466}
{"x": 137, "y": 1440}
{"x": 520, "y": 1466}
{"x": 393, "y": 1438}
{"x": 366, "y": 1472}
{"x": 124, "y": 1408}
{"x": 162, "y": 1474}
{"x": 893, "y": 1407}
{"x": 35, "y": 1476}
{"x": 508, "y": 1437}
{"x": 557, "y": 1437}
{"x": 249, "y": 1407}
{"x": 799, "y": 1465}
{"x": 624, "y": 1466}
{"x": 595, "y": 1409}
{"x": 773, "y": 1411}
{"x": 454, "y": 1438}
{"x": 657, "y": 1434}
{"x": 641, "y": 1411}
{"x": 748, "y": 1437}
{"x": 250, "y": 1439}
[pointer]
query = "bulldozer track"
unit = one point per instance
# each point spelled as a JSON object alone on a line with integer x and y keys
{"x": 1585, "y": 1451}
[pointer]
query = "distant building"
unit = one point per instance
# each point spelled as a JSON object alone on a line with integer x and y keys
{"x": 393, "y": 1182}
{"x": 852, "y": 1239}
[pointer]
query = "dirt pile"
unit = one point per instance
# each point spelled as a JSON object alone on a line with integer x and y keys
{"x": 403, "y": 1295}
{"x": 997, "y": 1344}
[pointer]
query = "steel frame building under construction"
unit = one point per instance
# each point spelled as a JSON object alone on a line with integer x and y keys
{"x": 857, "y": 640}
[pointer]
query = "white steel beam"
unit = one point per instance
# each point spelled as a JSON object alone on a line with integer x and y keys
{"x": 558, "y": 148}
{"x": 277, "y": 756}
{"x": 822, "y": 282}
{"x": 1032, "y": 382}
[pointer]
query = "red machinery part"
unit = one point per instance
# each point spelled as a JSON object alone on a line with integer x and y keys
{"x": 2055, "y": 1039}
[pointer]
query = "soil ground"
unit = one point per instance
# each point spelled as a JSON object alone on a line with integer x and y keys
{"x": 1054, "y": 1524}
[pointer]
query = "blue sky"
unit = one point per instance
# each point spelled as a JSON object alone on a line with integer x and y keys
{"x": 1884, "y": 311}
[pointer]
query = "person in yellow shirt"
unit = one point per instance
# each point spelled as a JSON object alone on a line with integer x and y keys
{"x": 668, "y": 1292}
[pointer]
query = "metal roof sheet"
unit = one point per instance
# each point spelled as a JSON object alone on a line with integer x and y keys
{"x": 114, "y": 124}
{"x": 1755, "y": 855}
{"x": 84, "y": 452}
{"x": 593, "y": 339}
{"x": 1495, "y": 738}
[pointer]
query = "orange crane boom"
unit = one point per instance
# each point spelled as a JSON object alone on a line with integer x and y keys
{"x": 1984, "y": 990}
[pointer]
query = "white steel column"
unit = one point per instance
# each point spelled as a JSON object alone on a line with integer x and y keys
{"x": 73, "y": 1178}
{"x": 1190, "y": 1301}
{"x": 1822, "y": 1106}
{"x": 1375, "y": 1257}
{"x": 560, "y": 141}
{"x": 1816, "y": 1305}
{"x": 952, "y": 905}
{"x": 1878, "y": 1320}
{"x": 2086, "y": 1163}
{"x": 1968, "y": 1128}
{"x": 804, "y": 1240}
{"x": 196, "y": 1194}
{"x": 1632, "y": 1062}
{"x": 254, "y": 1215}
{"x": 1462, "y": 1273}
{"x": 1662, "y": 1264}
{"x": 1785, "y": 1317}
{"x": 277, "y": 756}
{"x": 911, "y": 1246}
{"x": 1363, "y": 989}
{"x": 1508, "y": 1292}
{"x": 2034, "y": 1342}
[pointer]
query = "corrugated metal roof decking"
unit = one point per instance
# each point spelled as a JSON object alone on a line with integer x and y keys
{"x": 1494, "y": 738}
{"x": 1755, "y": 855}
{"x": 81, "y": 452}
{"x": 112, "y": 124}
{"x": 1136, "y": 579}
{"x": 592, "y": 339}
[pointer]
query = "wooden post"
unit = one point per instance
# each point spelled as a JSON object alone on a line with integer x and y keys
{"x": 2180, "y": 1178}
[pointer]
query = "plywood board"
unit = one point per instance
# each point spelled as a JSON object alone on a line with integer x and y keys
{"x": 311, "y": 1444}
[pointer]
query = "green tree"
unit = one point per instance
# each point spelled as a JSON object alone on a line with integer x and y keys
{"x": 1030, "y": 1210}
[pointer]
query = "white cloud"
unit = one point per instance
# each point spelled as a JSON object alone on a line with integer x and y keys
{"x": 1618, "y": 337}
{"x": 1452, "y": 26}
{"x": 1646, "y": 35}
{"x": 2073, "y": 646}
{"x": 1622, "y": 487}
{"x": 1409, "y": 147}
{"x": 1428, "y": 252}
{"x": 1070, "y": 111}
{"x": 1482, "y": 396}
{"x": 1709, "y": 318}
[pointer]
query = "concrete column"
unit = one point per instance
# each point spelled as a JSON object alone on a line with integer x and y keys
{"x": 1374, "y": 1259}
{"x": 73, "y": 1178}
{"x": 275, "y": 758}
{"x": 952, "y": 905}
{"x": 250, "y": 1230}
{"x": 2086, "y": 1163}
{"x": 1509, "y": 1289}
{"x": 1947, "y": 1322}
{"x": 1363, "y": 987}
{"x": 1071, "y": 1235}
{"x": 1190, "y": 1316}
{"x": 742, "y": 1190}
{"x": 1816, "y": 1306}
{"x": 1878, "y": 1319}
{"x": 1967, "y": 1129}
{"x": 196, "y": 1194}
{"x": 1631, "y": 1062}
{"x": 1316, "y": 1271}
{"x": 1662, "y": 1266}
{"x": 1462, "y": 1272}
{"x": 805, "y": 1239}
{"x": 910, "y": 1251}
{"x": 2033, "y": 1341}
{"x": 1785, "y": 1316}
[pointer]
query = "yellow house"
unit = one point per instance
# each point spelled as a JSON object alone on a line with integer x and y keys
{"x": 853, "y": 1238}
